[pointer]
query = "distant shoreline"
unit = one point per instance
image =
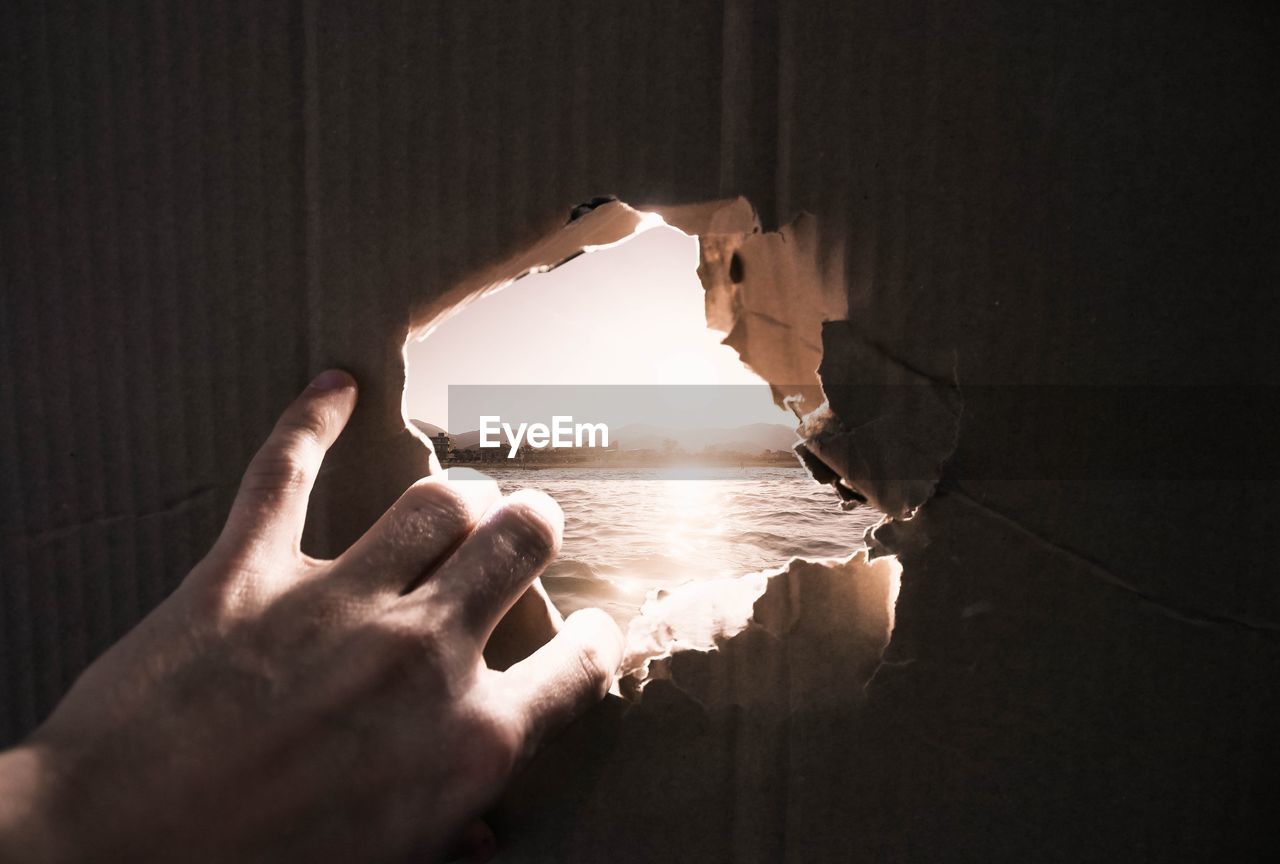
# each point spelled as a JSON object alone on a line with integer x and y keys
{"x": 607, "y": 465}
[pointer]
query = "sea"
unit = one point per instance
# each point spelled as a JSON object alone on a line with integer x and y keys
{"x": 631, "y": 531}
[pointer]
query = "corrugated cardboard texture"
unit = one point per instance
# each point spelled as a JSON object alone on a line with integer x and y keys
{"x": 1066, "y": 209}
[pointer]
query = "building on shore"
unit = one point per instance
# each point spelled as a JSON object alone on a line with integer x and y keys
{"x": 440, "y": 443}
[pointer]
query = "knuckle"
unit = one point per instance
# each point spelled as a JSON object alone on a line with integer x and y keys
{"x": 413, "y": 658}
{"x": 278, "y": 473}
{"x": 436, "y": 505}
{"x": 593, "y": 677}
{"x": 401, "y": 640}
{"x": 303, "y": 428}
{"x": 222, "y": 602}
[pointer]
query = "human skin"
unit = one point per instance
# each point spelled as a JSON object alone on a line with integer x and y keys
{"x": 278, "y": 707}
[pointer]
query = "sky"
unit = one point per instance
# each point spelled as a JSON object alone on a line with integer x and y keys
{"x": 631, "y": 314}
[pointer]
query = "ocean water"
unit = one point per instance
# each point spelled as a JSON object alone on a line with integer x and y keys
{"x": 630, "y": 531}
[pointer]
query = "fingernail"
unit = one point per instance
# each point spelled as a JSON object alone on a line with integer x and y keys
{"x": 545, "y": 505}
{"x": 332, "y": 379}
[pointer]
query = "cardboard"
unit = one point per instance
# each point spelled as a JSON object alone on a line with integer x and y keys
{"x": 1055, "y": 219}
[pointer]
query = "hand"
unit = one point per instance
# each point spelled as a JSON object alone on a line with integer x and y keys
{"x": 278, "y": 707}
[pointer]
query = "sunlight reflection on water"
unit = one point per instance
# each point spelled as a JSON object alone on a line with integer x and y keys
{"x": 630, "y": 531}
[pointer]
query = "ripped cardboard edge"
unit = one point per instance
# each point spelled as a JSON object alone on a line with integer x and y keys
{"x": 886, "y": 430}
{"x": 598, "y": 224}
{"x": 779, "y": 297}
{"x": 855, "y": 595}
{"x": 876, "y": 430}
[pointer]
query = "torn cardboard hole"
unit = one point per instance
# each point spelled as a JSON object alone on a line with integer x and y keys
{"x": 772, "y": 295}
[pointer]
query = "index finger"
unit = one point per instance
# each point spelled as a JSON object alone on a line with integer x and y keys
{"x": 271, "y": 504}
